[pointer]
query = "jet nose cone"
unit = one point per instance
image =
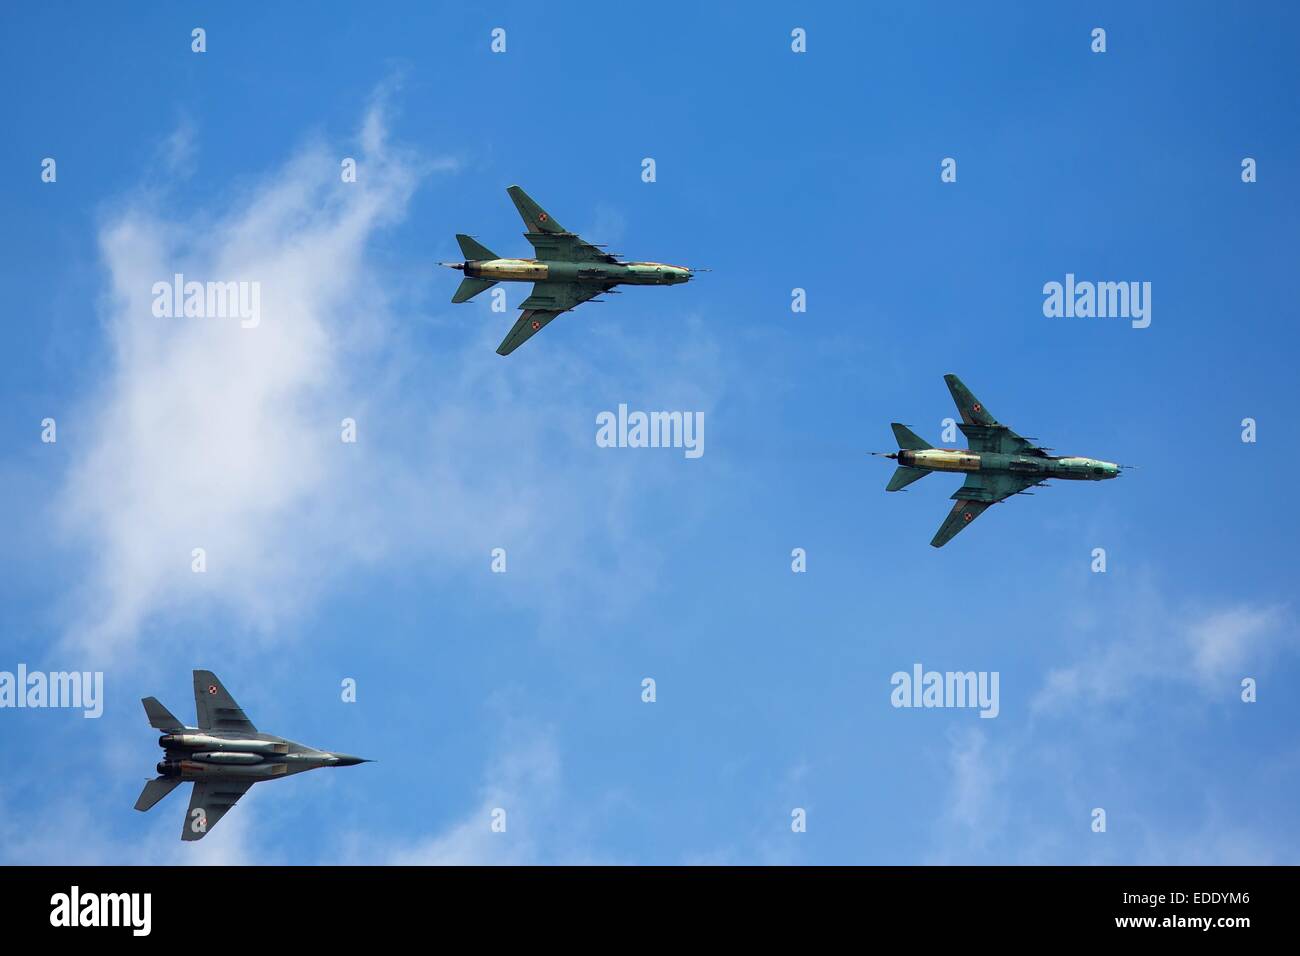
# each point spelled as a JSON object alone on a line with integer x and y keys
{"x": 347, "y": 760}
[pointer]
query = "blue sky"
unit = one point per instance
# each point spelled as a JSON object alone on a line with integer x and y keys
{"x": 777, "y": 170}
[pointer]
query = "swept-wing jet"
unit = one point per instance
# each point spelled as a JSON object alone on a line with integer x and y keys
{"x": 566, "y": 272}
{"x": 224, "y": 756}
{"x": 998, "y": 464}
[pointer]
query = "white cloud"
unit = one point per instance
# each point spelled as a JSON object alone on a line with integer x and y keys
{"x": 1156, "y": 640}
{"x": 525, "y": 781}
{"x": 976, "y": 806}
{"x": 77, "y": 830}
{"x": 1225, "y": 644}
{"x": 1159, "y": 645}
{"x": 978, "y": 773}
{"x": 178, "y": 150}
{"x": 211, "y": 435}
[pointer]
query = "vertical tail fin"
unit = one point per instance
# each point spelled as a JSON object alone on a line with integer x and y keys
{"x": 908, "y": 440}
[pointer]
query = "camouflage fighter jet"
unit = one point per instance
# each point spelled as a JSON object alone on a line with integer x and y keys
{"x": 998, "y": 464}
{"x": 224, "y": 756}
{"x": 566, "y": 272}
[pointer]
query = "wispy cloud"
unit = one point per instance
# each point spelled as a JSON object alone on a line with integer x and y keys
{"x": 523, "y": 789}
{"x": 210, "y": 435}
{"x": 1225, "y": 643}
{"x": 1163, "y": 650}
{"x": 76, "y": 829}
{"x": 978, "y": 772}
{"x": 1209, "y": 648}
{"x": 205, "y": 434}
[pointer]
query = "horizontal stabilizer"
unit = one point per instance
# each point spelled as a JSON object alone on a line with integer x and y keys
{"x": 469, "y": 288}
{"x": 473, "y": 250}
{"x": 154, "y": 790}
{"x": 159, "y": 716}
{"x": 904, "y": 476}
{"x": 907, "y": 439}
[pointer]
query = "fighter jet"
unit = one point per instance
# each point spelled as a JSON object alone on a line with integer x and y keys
{"x": 566, "y": 272}
{"x": 998, "y": 464}
{"x": 224, "y": 756}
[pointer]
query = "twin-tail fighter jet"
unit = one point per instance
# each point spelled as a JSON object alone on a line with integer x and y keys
{"x": 224, "y": 756}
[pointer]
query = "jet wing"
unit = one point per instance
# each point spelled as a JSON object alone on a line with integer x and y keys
{"x": 549, "y": 239}
{"x": 209, "y": 803}
{"x": 974, "y": 498}
{"x": 548, "y": 300}
{"x": 216, "y": 709}
{"x": 962, "y": 514}
{"x": 529, "y": 324}
{"x": 1001, "y": 439}
{"x": 982, "y": 430}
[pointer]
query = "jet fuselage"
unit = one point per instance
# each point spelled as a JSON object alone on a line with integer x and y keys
{"x": 1029, "y": 466}
{"x": 193, "y": 754}
{"x": 597, "y": 273}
